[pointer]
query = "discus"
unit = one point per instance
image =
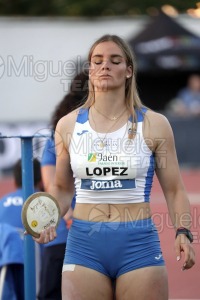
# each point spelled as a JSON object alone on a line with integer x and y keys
{"x": 39, "y": 211}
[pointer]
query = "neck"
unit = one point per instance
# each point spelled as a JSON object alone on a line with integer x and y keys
{"x": 110, "y": 103}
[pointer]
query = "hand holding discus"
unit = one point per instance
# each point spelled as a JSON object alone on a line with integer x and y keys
{"x": 41, "y": 216}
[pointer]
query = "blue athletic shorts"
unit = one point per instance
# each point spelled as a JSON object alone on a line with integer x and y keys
{"x": 113, "y": 248}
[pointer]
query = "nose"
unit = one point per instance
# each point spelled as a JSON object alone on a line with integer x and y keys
{"x": 106, "y": 65}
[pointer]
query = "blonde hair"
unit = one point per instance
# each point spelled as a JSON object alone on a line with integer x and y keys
{"x": 132, "y": 98}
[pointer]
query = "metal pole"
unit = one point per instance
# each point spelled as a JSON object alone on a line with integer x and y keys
{"x": 29, "y": 245}
{"x": 28, "y": 189}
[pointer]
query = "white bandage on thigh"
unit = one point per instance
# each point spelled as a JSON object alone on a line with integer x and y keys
{"x": 68, "y": 267}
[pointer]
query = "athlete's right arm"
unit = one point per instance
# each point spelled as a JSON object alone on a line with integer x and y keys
{"x": 63, "y": 187}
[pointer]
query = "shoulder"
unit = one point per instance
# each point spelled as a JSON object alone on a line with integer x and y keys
{"x": 157, "y": 126}
{"x": 67, "y": 122}
{"x": 157, "y": 119}
{"x": 66, "y": 125}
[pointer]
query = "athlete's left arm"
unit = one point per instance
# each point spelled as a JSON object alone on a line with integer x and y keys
{"x": 168, "y": 173}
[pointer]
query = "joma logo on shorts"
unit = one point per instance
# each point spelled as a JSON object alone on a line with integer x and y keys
{"x": 111, "y": 184}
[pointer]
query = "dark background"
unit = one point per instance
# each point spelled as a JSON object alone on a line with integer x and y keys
{"x": 163, "y": 38}
{"x": 89, "y": 8}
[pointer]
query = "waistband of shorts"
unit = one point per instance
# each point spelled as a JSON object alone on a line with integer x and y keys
{"x": 126, "y": 224}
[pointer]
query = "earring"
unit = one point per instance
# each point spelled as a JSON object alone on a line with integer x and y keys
{"x": 127, "y": 76}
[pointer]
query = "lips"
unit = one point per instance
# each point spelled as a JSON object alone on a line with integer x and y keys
{"x": 105, "y": 76}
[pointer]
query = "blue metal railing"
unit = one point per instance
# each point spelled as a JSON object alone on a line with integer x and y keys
{"x": 28, "y": 189}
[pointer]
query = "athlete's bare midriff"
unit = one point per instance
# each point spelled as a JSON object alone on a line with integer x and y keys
{"x": 112, "y": 212}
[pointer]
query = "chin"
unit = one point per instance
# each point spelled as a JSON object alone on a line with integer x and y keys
{"x": 102, "y": 86}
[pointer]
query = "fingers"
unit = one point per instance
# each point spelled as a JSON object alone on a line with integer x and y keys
{"x": 185, "y": 251}
{"x": 189, "y": 258}
{"x": 46, "y": 236}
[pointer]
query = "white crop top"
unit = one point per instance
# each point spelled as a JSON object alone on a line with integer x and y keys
{"x": 120, "y": 172}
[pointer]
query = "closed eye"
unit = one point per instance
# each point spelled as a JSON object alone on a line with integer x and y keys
{"x": 113, "y": 62}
